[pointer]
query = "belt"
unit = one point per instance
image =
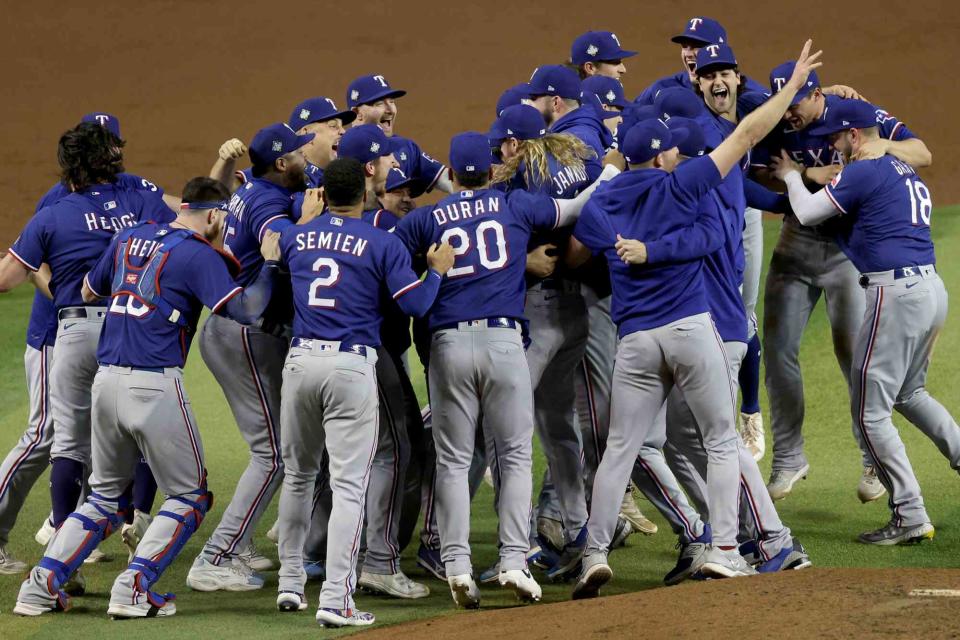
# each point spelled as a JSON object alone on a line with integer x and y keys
{"x": 886, "y": 278}
{"x": 557, "y": 284}
{"x": 71, "y": 313}
{"x": 332, "y": 345}
{"x": 125, "y": 369}
{"x": 500, "y": 322}
{"x": 272, "y": 328}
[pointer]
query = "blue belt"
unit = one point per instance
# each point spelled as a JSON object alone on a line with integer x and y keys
{"x": 898, "y": 274}
{"x": 345, "y": 347}
{"x": 148, "y": 369}
{"x": 500, "y": 322}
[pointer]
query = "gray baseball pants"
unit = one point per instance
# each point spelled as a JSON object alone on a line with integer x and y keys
{"x": 28, "y": 458}
{"x": 805, "y": 265}
{"x": 753, "y": 265}
{"x": 248, "y": 366}
{"x": 477, "y": 369}
{"x": 329, "y": 405}
{"x": 894, "y": 347}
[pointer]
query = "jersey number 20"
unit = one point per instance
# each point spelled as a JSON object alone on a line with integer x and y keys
{"x": 489, "y": 237}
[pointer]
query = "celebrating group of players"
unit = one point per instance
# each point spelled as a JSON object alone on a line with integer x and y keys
{"x": 591, "y": 276}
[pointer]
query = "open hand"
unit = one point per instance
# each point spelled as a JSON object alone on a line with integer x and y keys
{"x": 872, "y": 149}
{"x": 783, "y": 165}
{"x": 806, "y": 62}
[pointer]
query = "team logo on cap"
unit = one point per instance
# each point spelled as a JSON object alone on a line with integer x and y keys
{"x": 592, "y": 50}
{"x": 712, "y": 48}
{"x": 694, "y": 23}
{"x": 354, "y": 94}
{"x": 655, "y": 143}
{"x": 780, "y": 82}
{"x": 614, "y": 36}
{"x": 403, "y": 156}
{"x": 304, "y": 114}
{"x": 374, "y": 147}
{"x": 102, "y": 119}
{"x": 277, "y": 145}
{"x": 611, "y": 96}
{"x": 471, "y": 167}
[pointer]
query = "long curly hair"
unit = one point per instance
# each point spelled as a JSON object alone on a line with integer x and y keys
{"x": 89, "y": 154}
{"x": 568, "y": 150}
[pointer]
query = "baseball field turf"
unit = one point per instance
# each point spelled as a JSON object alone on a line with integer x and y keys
{"x": 823, "y": 511}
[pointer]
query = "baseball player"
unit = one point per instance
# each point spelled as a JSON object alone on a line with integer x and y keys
{"x": 339, "y": 265}
{"x": 796, "y": 281}
{"x": 598, "y": 53}
{"x": 886, "y": 207}
{"x": 69, "y": 235}
{"x": 667, "y": 334}
{"x": 375, "y": 102}
{"x": 477, "y": 361}
{"x": 247, "y": 361}
{"x": 157, "y": 278}
{"x": 609, "y": 94}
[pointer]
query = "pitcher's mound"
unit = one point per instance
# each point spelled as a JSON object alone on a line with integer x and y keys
{"x": 814, "y": 603}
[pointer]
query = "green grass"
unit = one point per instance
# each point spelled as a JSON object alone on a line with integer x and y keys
{"x": 823, "y": 512}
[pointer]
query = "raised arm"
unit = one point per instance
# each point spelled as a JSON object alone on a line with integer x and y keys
{"x": 225, "y": 166}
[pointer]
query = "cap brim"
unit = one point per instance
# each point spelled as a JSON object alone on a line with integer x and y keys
{"x": 825, "y": 129}
{"x": 400, "y": 185}
{"x": 680, "y": 38}
{"x": 625, "y": 54}
{"x": 393, "y": 93}
{"x": 304, "y": 139}
{"x": 608, "y": 115}
{"x": 678, "y": 136}
{"x": 714, "y": 66}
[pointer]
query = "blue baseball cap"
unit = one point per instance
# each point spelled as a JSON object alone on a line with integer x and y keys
{"x": 368, "y": 89}
{"x": 713, "y": 57}
{"x": 554, "y": 80}
{"x": 632, "y": 115}
{"x": 275, "y": 141}
{"x": 598, "y": 46}
{"x": 678, "y": 101}
{"x": 781, "y": 75}
{"x": 470, "y": 152}
{"x": 694, "y": 144}
{"x": 592, "y": 101}
{"x": 105, "y": 120}
{"x": 521, "y": 121}
{"x": 397, "y": 179}
{"x": 646, "y": 139}
{"x": 702, "y": 31}
{"x": 318, "y": 109}
{"x": 846, "y": 114}
{"x": 512, "y": 96}
{"x": 608, "y": 90}
{"x": 365, "y": 143}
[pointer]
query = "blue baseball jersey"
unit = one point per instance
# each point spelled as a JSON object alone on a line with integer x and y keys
{"x": 888, "y": 207}
{"x": 563, "y": 182}
{"x": 489, "y": 231}
{"x": 42, "y": 326}
{"x": 71, "y": 234}
{"x": 815, "y": 151}
{"x": 341, "y": 269}
{"x": 647, "y": 204}
{"x": 423, "y": 170}
{"x": 313, "y": 172}
{"x": 682, "y": 79}
{"x": 194, "y": 275}
{"x": 585, "y": 124}
{"x": 380, "y": 218}
{"x": 715, "y": 131}
{"x": 256, "y": 207}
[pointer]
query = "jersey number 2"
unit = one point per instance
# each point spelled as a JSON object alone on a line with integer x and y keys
{"x": 330, "y": 279}
{"x": 489, "y": 235}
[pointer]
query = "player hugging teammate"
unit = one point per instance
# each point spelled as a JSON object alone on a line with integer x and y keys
{"x": 608, "y": 310}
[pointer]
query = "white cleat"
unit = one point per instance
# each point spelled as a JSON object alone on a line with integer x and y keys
{"x": 870, "y": 487}
{"x": 255, "y": 560}
{"x": 44, "y": 533}
{"x": 232, "y": 575}
{"x": 522, "y": 583}
{"x": 273, "y": 535}
{"x": 464, "y": 590}
{"x": 782, "y": 481}
{"x": 721, "y": 563}
{"x": 589, "y": 583}
{"x": 96, "y": 556}
{"x": 120, "y": 611}
{"x": 344, "y": 618}
{"x": 288, "y": 601}
{"x": 9, "y": 565}
{"x": 131, "y": 534}
{"x": 32, "y": 610}
{"x": 397, "y": 585}
{"x": 751, "y": 430}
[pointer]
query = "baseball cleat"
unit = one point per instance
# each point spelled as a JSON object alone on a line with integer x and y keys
{"x": 9, "y": 565}
{"x": 569, "y": 563}
{"x": 273, "y": 534}
{"x": 44, "y": 533}
{"x": 590, "y": 581}
{"x": 464, "y": 591}
{"x": 522, "y": 583}
{"x": 751, "y": 432}
{"x": 96, "y": 556}
{"x": 288, "y": 601}
{"x": 315, "y": 570}
{"x": 429, "y": 560}
{"x": 232, "y": 575}
{"x": 632, "y": 514}
{"x": 397, "y": 585}
{"x": 892, "y": 534}
{"x": 254, "y": 559}
{"x": 621, "y": 533}
{"x": 344, "y": 618}
{"x": 750, "y": 551}
{"x": 791, "y": 558}
{"x": 725, "y": 563}
{"x": 490, "y": 574}
{"x": 33, "y": 610}
{"x": 692, "y": 556}
{"x": 119, "y": 611}
{"x": 131, "y": 534}
{"x": 870, "y": 487}
{"x": 76, "y": 585}
{"x": 552, "y": 531}
{"x": 782, "y": 481}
